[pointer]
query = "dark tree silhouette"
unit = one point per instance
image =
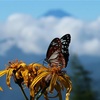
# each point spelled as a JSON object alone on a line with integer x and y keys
{"x": 82, "y": 89}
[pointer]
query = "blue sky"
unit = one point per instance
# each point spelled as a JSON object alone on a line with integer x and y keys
{"x": 83, "y": 9}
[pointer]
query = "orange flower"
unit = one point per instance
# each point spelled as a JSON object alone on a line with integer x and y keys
{"x": 56, "y": 79}
{"x": 38, "y": 78}
{"x": 11, "y": 68}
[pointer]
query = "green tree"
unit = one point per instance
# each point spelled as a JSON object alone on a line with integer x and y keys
{"x": 82, "y": 89}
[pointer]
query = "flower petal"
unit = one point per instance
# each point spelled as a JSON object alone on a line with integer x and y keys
{"x": 8, "y": 77}
{"x": 38, "y": 78}
{"x": 53, "y": 81}
{"x": 3, "y": 72}
{"x": 58, "y": 89}
{"x": 67, "y": 84}
{"x": 1, "y": 88}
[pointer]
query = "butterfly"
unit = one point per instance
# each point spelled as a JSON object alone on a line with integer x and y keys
{"x": 57, "y": 52}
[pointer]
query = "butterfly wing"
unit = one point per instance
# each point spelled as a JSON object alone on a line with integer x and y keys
{"x": 53, "y": 50}
{"x": 65, "y": 40}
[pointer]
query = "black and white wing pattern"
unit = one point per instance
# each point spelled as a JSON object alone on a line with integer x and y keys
{"x": 65, "y": 41}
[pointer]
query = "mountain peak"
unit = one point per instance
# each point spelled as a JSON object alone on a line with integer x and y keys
{"x": 57, "y": 13}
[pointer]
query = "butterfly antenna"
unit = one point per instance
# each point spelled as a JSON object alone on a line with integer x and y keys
{"x": 44, "y": 61}
{"x": 39, "y": 60}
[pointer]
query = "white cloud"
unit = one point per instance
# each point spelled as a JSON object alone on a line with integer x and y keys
{"x": 34, "y": 35}
{"x": 91, "y": 46}
{"x": 4, "y": 46}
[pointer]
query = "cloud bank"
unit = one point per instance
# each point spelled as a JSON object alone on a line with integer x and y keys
{"x": 33, "y": 35}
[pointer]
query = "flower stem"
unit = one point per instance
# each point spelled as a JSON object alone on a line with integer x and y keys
{"x": 40, "y": 94}
{"x": 26, "y": 98}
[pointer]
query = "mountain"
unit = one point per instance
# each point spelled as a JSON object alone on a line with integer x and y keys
{"x": 16, "y": 53}
{"x": 57, "y": 13}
